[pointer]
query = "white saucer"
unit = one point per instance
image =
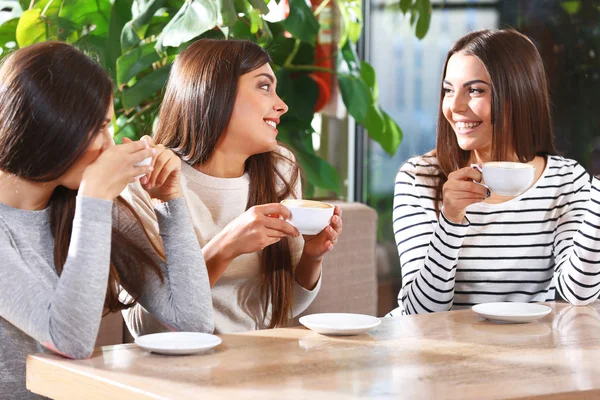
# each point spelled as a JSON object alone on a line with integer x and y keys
{"x": 178, "y": 343}
{"x": 512, "y": 312}
{"x": 339, "y": 324}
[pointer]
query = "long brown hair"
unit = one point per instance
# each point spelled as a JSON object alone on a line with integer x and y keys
{"x": 195, "y": 112}
{"x": 521, "y": 119}
{"x": 53, "y": 101}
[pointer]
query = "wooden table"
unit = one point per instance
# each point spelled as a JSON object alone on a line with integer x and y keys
{"x": 452, "y": 355}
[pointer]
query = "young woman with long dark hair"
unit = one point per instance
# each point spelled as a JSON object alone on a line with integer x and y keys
{"x": 69, "y": 243}
{"x": 459, "y": 243}
{"x": 219, "y": 114}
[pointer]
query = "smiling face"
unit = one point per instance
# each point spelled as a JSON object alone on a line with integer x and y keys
{"x": 252, "y": 128}
{"x": 467, "y": 102}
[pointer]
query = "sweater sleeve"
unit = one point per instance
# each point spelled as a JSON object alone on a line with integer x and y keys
{"x": 183, "y": 302}
{"x": 64, "y": 318}
{"x": 577, "y": 243}
{"x": 428, "y": 249}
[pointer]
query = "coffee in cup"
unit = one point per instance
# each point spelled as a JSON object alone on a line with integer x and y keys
{"x": 310, "y": 217}
{"x": 507, "y": 178}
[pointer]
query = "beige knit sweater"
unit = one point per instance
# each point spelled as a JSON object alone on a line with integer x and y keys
{"x": 213, "y": 203}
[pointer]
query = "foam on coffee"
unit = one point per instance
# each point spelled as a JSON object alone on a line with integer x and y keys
{"x": 306, "y": 203}
{"x": 508, "y": 164}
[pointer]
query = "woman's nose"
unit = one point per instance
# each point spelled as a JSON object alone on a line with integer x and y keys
{"x": 459, "y": 103}
{"x": 280, "y": 106}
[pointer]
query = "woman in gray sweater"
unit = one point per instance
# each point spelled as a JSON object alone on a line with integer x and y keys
{"x": 68, "y": 241}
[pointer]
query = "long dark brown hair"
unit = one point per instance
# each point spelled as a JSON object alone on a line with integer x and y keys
{"x": 521, "y": 120}
{"x": 195, "y": 112}
{"x": 53, "y": 101}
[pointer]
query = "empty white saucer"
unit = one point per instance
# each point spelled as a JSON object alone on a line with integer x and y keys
{"x": 512, "y": 312}
{"x": 340, "y": 324}
{"x": 178, "y": 343}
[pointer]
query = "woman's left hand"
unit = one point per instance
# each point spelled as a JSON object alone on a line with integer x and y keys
{"x": 316, "y": 246}
{"x": 163, "y": 183}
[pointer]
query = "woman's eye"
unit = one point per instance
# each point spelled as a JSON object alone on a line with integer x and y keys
{"x": 474, "y": 90}
{"x": 446, "y": 90}
{"x": 266, "y": 87}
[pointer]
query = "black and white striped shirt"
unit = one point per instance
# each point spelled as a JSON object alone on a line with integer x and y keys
{"x": 524, "y": 249}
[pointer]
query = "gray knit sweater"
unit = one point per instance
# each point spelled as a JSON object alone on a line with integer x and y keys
{"x": 40, "y": 311}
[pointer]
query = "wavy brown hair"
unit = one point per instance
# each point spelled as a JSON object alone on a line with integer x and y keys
{"x": 195, "y": 112}
{"x": 53, "y": 101}
{"x": 521, "y": 119}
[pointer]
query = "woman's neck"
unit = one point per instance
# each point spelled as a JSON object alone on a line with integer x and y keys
{"x": 224, "y": 165}
{"x": 23, "y": 194}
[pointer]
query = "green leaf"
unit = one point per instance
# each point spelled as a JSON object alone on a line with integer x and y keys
{"x": 356, "y": 96}
{"x": 571, "y": 7}
{"x": 280, "y": 48}
{"x": 241, "y": 7}
{"x": 405, "y": 5}
{"x": 145, "y": 87}
{"x": 375, "y": 123}
{"x": 301, "y": 22}
{"x": 351, "y": 26}
{"x": 135, "y": 61}
{"x": 345, "y": 23}
{"x": 261, "y": 6}
{"x": 367, "y": 73}
{"x": 349, "y": 55}
{"x": 356, "y": 20}
{"x": 318, "y": 171}
{"x": 193, "y": 19}
{"x": 30, "y": 29}
{"x": 424, "y": 18}
{"x": 266, "y": 36}
{"x": 393, "y": 135}
{"x": 241, "y": 29}
{"x": 130, "y": 37}
{"x": 299, "y": 92}
{"x": 228, "y": 12}
{"x": 297, "y": 134}
{"x": 8, "y": 32}
{"x": 120, "y": 13}
{"x": 255, "y": 22}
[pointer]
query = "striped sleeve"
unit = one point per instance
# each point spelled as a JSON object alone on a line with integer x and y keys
{"x": 428, "y": 247}
{"x": 577, "y": 244}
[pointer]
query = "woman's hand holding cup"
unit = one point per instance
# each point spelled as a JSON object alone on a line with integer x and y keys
{"x": 114, "y": 169}
{"x": 316, "y": 246}
{"x": 163, "y": 181}
{"x": 460, "y": 191}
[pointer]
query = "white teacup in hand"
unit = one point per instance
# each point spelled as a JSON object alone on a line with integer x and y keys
{"x": 507, "y": 178}
{"x": 308, "y": 216}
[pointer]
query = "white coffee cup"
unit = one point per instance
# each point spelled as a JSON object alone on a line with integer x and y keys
{"x": 144, "y": 162}
{"x": 506, "y": 178}
{"x": 310, "y": 217}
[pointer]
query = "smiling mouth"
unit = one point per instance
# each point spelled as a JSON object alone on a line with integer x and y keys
{"x": 272, "y": 124}
{"x": 466, "y": 126}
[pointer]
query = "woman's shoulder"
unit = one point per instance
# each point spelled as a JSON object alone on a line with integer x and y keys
{"x": 566, "y": 170}
{"x": 423, "y": 166}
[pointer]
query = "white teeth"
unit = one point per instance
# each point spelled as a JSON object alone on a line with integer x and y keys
{"x": 467, "y": 125}
{"x": 272, "y": 123}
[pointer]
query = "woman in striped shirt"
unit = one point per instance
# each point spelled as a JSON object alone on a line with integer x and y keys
{"x": 459, "y": 243}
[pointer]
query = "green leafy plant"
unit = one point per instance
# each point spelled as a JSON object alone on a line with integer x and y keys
{"x": 137, "y": 41}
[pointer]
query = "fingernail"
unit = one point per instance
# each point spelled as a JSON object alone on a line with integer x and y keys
{"x": 151, "y": 168}
{"x": 488, "y": 194}
{"x": 330, "y": 246}
{"x": 153, "y": 151}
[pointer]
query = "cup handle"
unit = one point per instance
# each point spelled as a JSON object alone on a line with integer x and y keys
{"x": 478, "y": 168}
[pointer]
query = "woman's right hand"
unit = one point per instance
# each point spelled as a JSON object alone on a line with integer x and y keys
{"x": 114, "y": 169}
{"x": 257, "y": 228}
{"x": 462, "y": 190}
